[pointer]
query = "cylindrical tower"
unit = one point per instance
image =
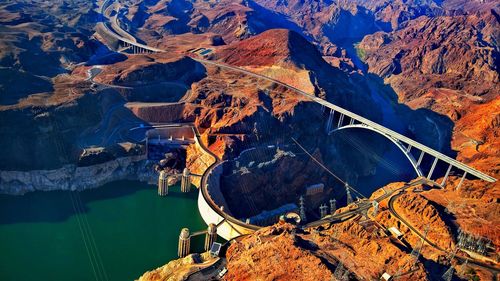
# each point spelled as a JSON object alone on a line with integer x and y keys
{"x": 211, "y": 236}
{"x": 163, "y": 183}
{"x": 184, "y": 243}
{"x": 185, "y": 181}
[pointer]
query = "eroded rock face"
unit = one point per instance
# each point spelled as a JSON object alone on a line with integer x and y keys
{"x": 447, "y": 64}
{"x": 264, "y": 254}
{"x": 177, "y": 269}
{"x": 32, "y": 138}
{"x": 281, "y": 252}
{"x": 421, "y": 212}
{"x": 457, "y": 53}
{"x": 71, "y": 177}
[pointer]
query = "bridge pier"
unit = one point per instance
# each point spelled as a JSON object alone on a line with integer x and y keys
{"x": 446, "y": 175}
{"x": 184, "y": 247}
{"x": 432, "y": 168}
{"x": 329, "y": 122}
{"x": 352, "y": 121}
{"x": 422, "y": 153}
{"x": 341, "y": 120}
{"x": 408, "y": 149}
{"x": 461, "y": 181}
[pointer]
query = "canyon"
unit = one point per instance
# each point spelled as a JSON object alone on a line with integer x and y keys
{"x": 427, "y": 69}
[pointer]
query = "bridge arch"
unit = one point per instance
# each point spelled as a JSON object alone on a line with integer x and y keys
{"x": 398, "y": 144}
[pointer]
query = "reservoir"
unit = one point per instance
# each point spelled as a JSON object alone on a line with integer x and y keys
{"x": 49, "y": 235}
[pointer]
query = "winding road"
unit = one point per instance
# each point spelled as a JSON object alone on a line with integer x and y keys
{"x": 363, "y": 120}
{"x": 494, "y": 270}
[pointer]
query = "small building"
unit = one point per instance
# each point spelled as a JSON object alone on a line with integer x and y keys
{"x": 396, "y": 232}
{"x": 386, "y": 277}
{"x": 314, "y": 189}
{"x": 215, "y": 249}
{"x": 222, "y": 272}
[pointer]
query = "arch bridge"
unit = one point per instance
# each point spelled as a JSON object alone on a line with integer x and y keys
{"x": 346, "y": 118}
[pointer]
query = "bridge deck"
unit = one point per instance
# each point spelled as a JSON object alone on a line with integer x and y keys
{"x": 363, "y": 120}
{"x": 390, "y": 133}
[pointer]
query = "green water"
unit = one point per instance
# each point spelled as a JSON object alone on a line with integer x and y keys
{"x": 134, "y": 230}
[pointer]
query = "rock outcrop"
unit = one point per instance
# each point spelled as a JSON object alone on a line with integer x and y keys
{"x": 72, "y": 177}
{"x": 282, "y": 252}
{"x": 179, "y": 269}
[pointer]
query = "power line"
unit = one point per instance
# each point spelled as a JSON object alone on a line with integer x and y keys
{"x": 326, "y": 168}
{"x": 89, "y": 254}
{"x": 81, "y": 223}
{"x": 91, "y": 237}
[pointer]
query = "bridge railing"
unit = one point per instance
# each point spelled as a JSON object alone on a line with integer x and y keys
{"x": 390, "y": 133}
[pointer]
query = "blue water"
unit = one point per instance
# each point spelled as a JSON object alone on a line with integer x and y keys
{"x": 134, "y": 230}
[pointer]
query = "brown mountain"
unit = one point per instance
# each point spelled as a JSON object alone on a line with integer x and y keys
{"x": 448, "y": 64}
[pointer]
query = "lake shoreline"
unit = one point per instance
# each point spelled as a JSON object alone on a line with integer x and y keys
{"x": 72, "y": 177}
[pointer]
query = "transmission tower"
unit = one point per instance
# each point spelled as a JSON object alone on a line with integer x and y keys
{"x": 345, "y": 276}
{"x": 339, "y": 271}
{"x": 302, "y": 211}
{"x": 333, "y": 206}
{"x": 323, "y": 210}
{"x": 375, "y": 208}
{"x": 448, "y": 275}
{"x": 348, "y": 194}
{"x": 415, "y": 253}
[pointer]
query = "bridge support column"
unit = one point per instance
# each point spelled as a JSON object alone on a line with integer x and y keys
{"x": 211, "y": 236}
{"x": 184, "y": 243}
{"x": 352, "y": 121}
{"x": 422, "y": 153}
{"x": 329, "y": 122}
{"x": 446, "y": 175}
{"x": 432, "y": 168}
{"x": 185, "y": 181}
{"x": 461, "y": 181}
{"x": 341, "y": 120}
{"x": 163, "y": 184}
{"x": 408, "y": 149}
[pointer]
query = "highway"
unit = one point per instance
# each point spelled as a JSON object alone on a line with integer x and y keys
{"x": 387, "y": 132}
{"x": 494, "y": 270}
{"x": 383, "y": 130}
